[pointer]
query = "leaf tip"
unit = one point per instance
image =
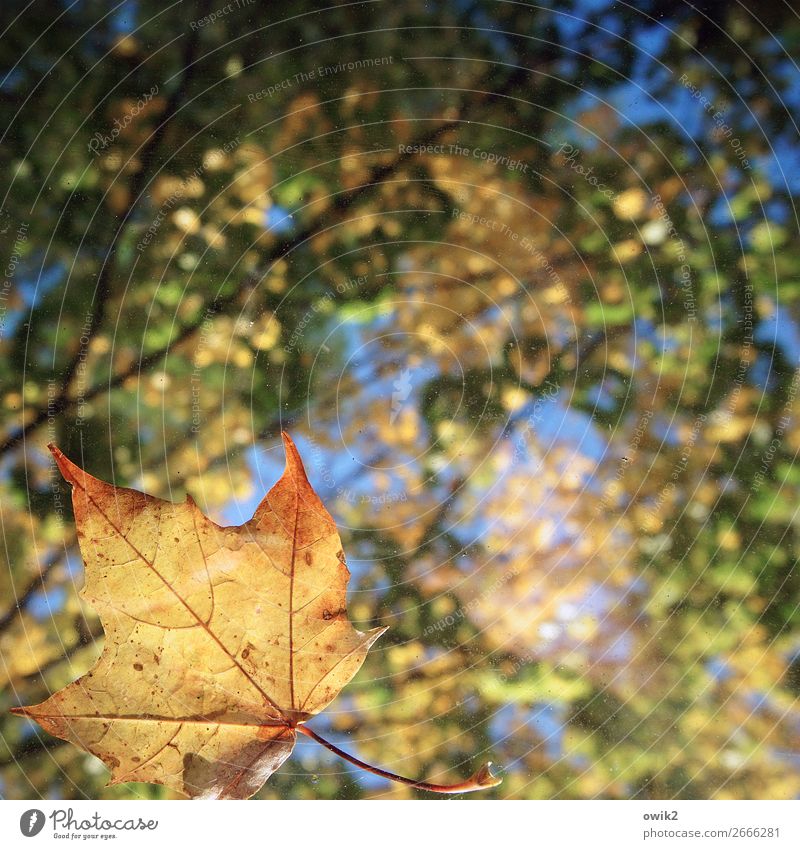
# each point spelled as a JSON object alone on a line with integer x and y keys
{"x": 375, "y": 634}
{"x": 26, "y": 712}
{"x": 294, "y": 463}
{"x": 65, "y": 465}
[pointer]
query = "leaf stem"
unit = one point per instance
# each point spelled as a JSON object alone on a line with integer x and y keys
{"x": 481, "y": 780}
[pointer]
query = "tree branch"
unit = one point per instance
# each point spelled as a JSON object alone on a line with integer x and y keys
{"x": 104, "y": 289}
{"x": 325, "y": 219}
{"x": 34, "y": 585}
{"x": 29, "y": 748}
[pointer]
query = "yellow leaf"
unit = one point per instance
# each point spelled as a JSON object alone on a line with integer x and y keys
{"x": 219, "y": 641}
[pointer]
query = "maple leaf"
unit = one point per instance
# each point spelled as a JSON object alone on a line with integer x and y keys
{"x": 220, "y": 641}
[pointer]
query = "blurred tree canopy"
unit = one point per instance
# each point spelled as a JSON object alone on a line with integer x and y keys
{"x": 523, "y": 282}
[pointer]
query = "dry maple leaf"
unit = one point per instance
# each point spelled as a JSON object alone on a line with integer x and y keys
{"x": 220, "y": 641}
